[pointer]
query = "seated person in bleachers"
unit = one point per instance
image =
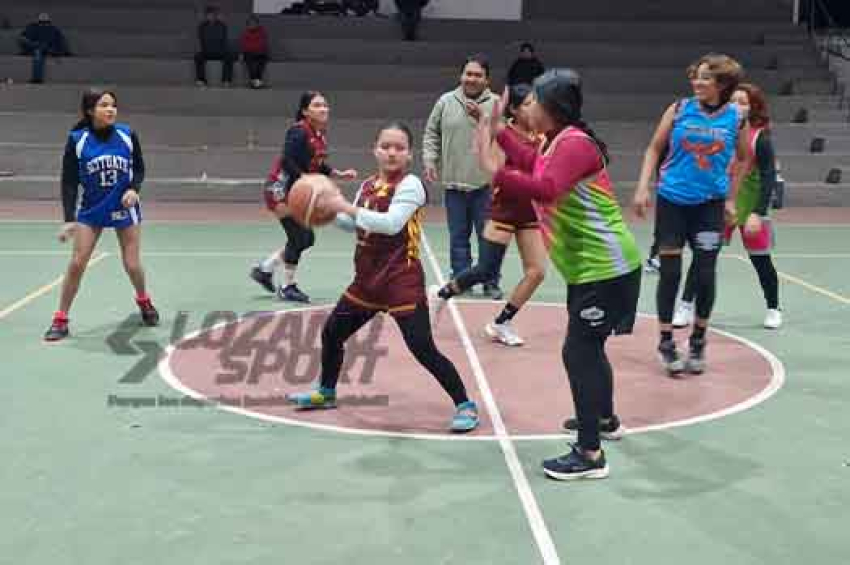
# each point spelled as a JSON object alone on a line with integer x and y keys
{"x": 214, "y": 44}
{"x": 410, "y": 14}
{"x": 527, "y": 66}
{"x": 254, "y": 44}
{"x": 41, "y": 39}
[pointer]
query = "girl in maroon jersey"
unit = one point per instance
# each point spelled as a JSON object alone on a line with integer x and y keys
{"x": 305, "y": 151}
{"x": 387, "y": 216}
{"x": 509, "y": 216}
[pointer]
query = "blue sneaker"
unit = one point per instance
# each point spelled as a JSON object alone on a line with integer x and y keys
{"x": 576, "y": 465}
{"x": 465, "y": 418}
{"x": 320, "y": 398}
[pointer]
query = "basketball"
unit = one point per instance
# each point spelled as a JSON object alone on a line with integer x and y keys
{"x": 305, "y": 199}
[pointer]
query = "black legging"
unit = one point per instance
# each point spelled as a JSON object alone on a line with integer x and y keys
{"x": 766, "y": 271}
{"x": 415, "y": 328}
{"x": 591, "y": 382}
{"x": 298, "y": 240}
{"x": 487, "y": 268}
{"x": 703, "y": 278}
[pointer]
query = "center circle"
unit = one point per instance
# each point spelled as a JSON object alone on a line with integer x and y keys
{"x": 249, "y": 365}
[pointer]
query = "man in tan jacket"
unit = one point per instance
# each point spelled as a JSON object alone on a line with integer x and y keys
{"x": 448, "y": 158}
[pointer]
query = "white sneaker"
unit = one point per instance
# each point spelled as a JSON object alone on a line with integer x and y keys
{"x": 684, "y": 315}
{"x": 503, "y": 333}
{"x": 436, "y": 304}
{"x": 773, "y": 319}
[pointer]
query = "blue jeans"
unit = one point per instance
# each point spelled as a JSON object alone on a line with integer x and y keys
{"x": 39, "y": 53}
{"x": 465, "y": 210}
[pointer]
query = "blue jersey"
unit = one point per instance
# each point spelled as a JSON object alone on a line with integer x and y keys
{"x": 105, "y": 172}
{"x": 701, "y": 153}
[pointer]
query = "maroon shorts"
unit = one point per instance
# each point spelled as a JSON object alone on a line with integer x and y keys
{"x": 512, "y": 214}
{"x": 393, "y": 287}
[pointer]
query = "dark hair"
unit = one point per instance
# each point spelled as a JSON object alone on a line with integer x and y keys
{"x": 559, "y": 92}
{"x": 516, "y": 96}
{"x": 400, "y": 126}
{"x": 304, "y": 103}
{"x": 726, "y": 71}
{"x": 759, "y": 115}
{"x": 88, "y": 102}
{"x": 211, "y": 9}
{"x": 480, "y": 59}
{"x": 526, "y": 45}
{"x": 253, "y": 19}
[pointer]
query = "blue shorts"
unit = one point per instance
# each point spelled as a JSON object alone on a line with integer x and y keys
{"x": 116, "y": 217}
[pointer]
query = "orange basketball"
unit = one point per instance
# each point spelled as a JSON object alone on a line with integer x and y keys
{"x": 305, "y": 200}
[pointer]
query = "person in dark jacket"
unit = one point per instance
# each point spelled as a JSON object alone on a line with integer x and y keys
{"x": 254, "y": 44}
{"x": 409, "y": 14}
{"x": 40, "y": 39}
{"x": 214, "y": 44}
{"x": 526, "y": 68}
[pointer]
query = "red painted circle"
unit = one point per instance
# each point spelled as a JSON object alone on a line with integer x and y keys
{"x": 254, "y": 363}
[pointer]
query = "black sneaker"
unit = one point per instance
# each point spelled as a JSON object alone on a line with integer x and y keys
{"x": 670, "y": 359}
{"x": 150, "y": 317}
{"x": 576, "y": 465}
{"x": 291, "y": 293}
{"x": 262, "y": 278}
{"x": 493, "y": 291}
{"x": 609, "y": 428}
{"x": 58, "y": 330}
{"x": 695, "y": 364}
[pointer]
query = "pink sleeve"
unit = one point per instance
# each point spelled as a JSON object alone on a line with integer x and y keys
{"x": 520, "y": 155}
{"x": 574, "y": 159}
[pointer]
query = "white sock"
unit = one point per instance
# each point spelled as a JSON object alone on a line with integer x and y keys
{"x": 272, "y": 262}
{"x": 289, "y": 274}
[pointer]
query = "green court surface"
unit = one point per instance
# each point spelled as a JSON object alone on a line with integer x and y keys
{"x": 85, "y": 481}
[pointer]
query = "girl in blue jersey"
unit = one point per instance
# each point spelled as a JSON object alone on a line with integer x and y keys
{"x": 104, "y": 158}
{"x": 707, "y": 139}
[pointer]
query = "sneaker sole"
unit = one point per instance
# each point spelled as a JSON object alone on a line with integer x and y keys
{"x": 697, "y": 369}
{"x": 673, "y": 370}
{"x": 591, "y": 474}
{"x": 494, "y": 336}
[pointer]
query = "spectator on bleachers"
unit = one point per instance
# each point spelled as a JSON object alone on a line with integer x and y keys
{"x": 409, "y": 14}
{"x": 214, "y": 44}
{"x": 40, "y": 39}
{"x": 254, "y": 44}
{"x": 527, "y": 66}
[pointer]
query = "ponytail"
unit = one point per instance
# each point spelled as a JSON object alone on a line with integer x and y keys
{"x": 603, "y": 147}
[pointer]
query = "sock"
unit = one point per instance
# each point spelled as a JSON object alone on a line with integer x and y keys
{"x": 143, "y": 297}
{"x": 271, "y": 263}
{"x": 698, "y": 333}
{"x": 666, "y": 335}
{"x": 60, "y": 315}
{"x": 507, "y": 313}
{"x": 289, "y": 274}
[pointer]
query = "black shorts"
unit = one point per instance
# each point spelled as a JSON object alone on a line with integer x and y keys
{"x": 700, "y": 225}
{"x": 604, "y": 307}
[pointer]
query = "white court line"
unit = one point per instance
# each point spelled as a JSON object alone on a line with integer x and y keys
{"x": 777, "y": 379}
{"x": 542, "y": 536}
{"x": 46, "y": 288}
{"x": 805, "y": 284}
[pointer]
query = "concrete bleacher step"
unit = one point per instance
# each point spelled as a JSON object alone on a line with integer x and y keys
{"x": 78, "y": 70}
{"x": 49, "y": 130}
{"x": 241, "y": 163}
{"x": 182, "y": 44}
{"x": 193, "y": 101}
{"x": 709, "y": 11}
{"x": 37, "y": 6}
{"x": 116, "y": 20}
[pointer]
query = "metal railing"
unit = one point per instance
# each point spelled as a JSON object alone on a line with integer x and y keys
{"x": 833, "y": 44}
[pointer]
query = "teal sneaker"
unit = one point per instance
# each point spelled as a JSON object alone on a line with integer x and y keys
{"x": 465, "y": 418}
{"x": 315, "y": 399}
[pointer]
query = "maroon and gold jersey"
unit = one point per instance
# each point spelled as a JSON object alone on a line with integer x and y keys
{"x": 511, "y": 213}
{"x": 388, "y": 273}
